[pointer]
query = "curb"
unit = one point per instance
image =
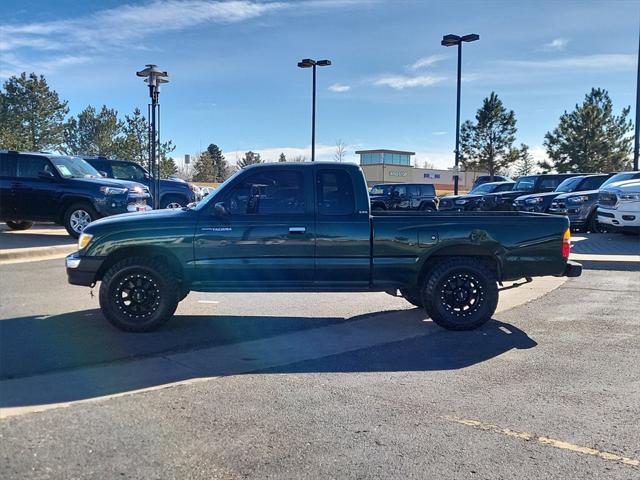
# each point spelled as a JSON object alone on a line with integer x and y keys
{"x": 34, "y": 254}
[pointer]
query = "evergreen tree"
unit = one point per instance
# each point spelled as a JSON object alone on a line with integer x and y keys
{"x": 31, "y": 114}
{"x": 282, "y": 158}
{"x": 203, "y": 169}
{"x": 485, "y": 144}
{"x": 250, "y": 158}
{"x": 221, "y": 170}
{"x": 92, "y": 133}
{"x": 522, "y": 160}
{"x": 591, "y": 138}
{"x": 168, "y": 167}
{"x": 133, "y": 142}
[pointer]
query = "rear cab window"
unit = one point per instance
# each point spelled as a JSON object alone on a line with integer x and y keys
{"x": 334, "y": 189}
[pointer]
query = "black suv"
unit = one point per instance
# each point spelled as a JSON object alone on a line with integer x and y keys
{"x": 540, "y": 202}
{"x": 472, "y": 200}
{"x": 174, "y": 193}
{"x": 546, "y": 182}
{"x": 482, "y": 179}
{"x": 404, "y": 196}
{"x": 61, "y": 189}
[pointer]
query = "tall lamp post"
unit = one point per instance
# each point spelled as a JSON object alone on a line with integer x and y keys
{"x": 449, "y": 41}
{"x": 636, "y": 144}
{"x": 154, "y": 77}
{"x": 307, "y": 63}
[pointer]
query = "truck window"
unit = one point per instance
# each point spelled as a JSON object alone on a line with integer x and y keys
{"x": 268, "y": 193}
{"x": 428, "y": 190}
{"x": 592, "y": 183}
{"x": 335, "y": 193}
{"x": 7, "y": 166}
{"x": 127, "y": 171}
{"x": 549, "y": 183}
{"x": 29, "y": 167}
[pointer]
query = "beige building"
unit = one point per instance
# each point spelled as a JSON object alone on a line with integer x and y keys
{"x": 394, "y": 166}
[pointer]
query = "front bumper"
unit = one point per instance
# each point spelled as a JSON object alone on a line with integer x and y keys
{"x": 82, "y": 270}
{"x": 113, "y": 205}
{"x": 572, "y": 270}
{"x": 619, "y": 218}
{"x": 578, "y": 216}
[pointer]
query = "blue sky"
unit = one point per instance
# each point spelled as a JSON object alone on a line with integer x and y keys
{"x": 234, "y": 79}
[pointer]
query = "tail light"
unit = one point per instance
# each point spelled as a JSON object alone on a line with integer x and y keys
{"x": 566, "y": 244}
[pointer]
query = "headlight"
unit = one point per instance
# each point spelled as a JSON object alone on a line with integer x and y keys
{"x": 139, "y": 190}
{"x": 113, "y": 190}
{"x": 461, "y": 202}
{"x": 193, "y": 188}
{"x": 629, "y": 197}
{"x": 533, "y": 201}
{"x": 84, "y": 240}
{"x": 578, "y": 199}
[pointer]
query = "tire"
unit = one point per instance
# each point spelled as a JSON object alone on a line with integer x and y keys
{"x": 469, "y": 277}
{"x": 183, "y": 294}
{"x": 139, "y": 294}
{"x": 425, "y": 207}
{"x": 412, "y": 295}
{"x": 19, "y": 224}
{"x": 77, "y": 217}
{"x": 173, "y": 201}
{"x": 593, "y": 225}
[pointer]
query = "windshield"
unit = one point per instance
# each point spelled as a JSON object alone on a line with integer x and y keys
{"x": 128, "y": 171}
{"x": 620, "y": 177}
{"x": 73, "y": 167}
{"x": 569, "y": 185}
{"x": 484, "y": 188}
{"x": 381, "y": 189}
{"x": 525, "y": 184}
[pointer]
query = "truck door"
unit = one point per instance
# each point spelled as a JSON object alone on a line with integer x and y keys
{"x": 342, "y": 232}
{"x": 35, "y": 196}
{"x": 266, "y": 238}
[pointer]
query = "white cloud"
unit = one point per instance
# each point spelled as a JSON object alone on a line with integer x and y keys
{"x": 400, "y": 82}
{"x": 12, "y": 65}
{"x": 556, "y": 44}
{"x": 439, "y": 133}
{"x": 339, "y": 88}
{"x": 598, "y": 61}
{"x": 426, "y": 61}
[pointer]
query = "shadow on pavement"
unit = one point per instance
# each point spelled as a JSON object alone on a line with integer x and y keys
{"x": 40, "y": 235}
{"x": 32, "y": 346}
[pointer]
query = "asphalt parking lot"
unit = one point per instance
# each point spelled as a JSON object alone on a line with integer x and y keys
{"x": 324, "y": 385}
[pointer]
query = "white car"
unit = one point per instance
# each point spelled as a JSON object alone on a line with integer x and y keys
{"x": 619, "y": 205}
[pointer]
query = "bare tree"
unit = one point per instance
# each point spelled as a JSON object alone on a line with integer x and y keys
{"x": 341, "y": 151}
{"x": 298, "y": 158}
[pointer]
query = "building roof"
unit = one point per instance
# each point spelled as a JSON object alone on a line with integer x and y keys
{"x": 384, "y": 150}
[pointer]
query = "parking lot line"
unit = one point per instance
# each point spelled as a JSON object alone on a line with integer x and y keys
{"x": 544, "y": 440}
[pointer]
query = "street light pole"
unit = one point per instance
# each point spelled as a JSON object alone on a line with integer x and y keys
{"x": 636, "y": 146}
{"x": 309, "y": 63}
{"x": 449, "y": 41}
{"x": 154, "y": 78}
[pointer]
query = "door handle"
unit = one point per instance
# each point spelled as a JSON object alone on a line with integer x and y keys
{"x": 297, "y": 229}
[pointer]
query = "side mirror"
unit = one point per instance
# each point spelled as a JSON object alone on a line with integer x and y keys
{"x": 220, "y": 210}
{"x": 102, "y": 174}
{"x": 46, "y": 174}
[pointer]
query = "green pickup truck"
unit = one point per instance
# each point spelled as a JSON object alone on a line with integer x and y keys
{"x": 308, "y": 228}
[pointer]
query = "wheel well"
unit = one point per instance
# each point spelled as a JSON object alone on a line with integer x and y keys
{"x": 158, "y": 253}
{"x": 480, "y": 253}
{"x": 67, "y": 202}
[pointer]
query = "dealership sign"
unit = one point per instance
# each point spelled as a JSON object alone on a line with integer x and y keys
{"x": 395, "y": 173}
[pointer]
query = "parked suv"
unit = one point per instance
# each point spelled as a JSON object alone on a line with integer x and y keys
{"x": 473, "y": 199}
{"x": 581, "y": 207}
{"x": 540, "y": 202}
{"x": 619, "y": 206}
{"x": 61, "y": 189}
{"x": 482, "y": 179}
{"x": 174, "y": 193}
{"x": 524, "y": 185}
{"x": 404, "y": 196}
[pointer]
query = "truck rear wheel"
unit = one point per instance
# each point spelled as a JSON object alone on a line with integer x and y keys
{"x": 139, "y": 294}
{"x": 461, "y": 293}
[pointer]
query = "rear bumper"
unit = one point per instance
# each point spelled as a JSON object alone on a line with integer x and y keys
{"x": 82, "y": 270}
{"x": 573, "y": 269}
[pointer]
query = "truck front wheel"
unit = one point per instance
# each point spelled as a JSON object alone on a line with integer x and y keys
{"x": 461, "y": 293}
{"x": 139, "y": 294}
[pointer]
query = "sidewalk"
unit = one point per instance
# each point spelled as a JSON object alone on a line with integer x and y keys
{"x": 43, "y": 241}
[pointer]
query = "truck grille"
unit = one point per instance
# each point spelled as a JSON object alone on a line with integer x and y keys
{"x": 607, "y": 199}
{"x": 558, "y": 204}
